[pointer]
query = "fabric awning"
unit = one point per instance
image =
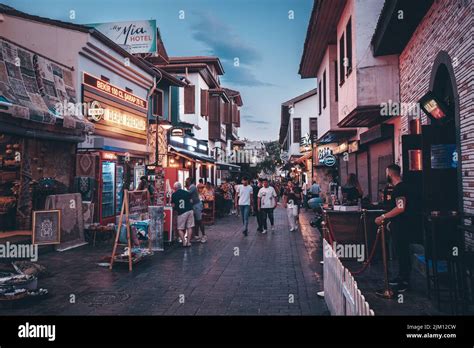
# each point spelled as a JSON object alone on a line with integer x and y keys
{"x": 37, "y": 89}
{"x": 192, "y": 155}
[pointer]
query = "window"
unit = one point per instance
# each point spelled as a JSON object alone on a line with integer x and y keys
{"x": 313, "y": 128}
{"x": 296, "y": 130}
{"x": 104, "y": 78}
{"x": 336, "y": 87}
{"x": 324, "y": 89}
{"x": 204, "y": 103}
{"x": 320, "y": 92}
{"x": 189, "y": 99}
{"x": 349, "y": 46}
{"x": 341, "y": 60}
{"x": 158, "y": 103}
{"x": 129, "y": 90}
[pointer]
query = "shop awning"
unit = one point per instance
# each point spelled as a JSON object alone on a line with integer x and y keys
{"x": 227, "y": 166}
{"x": 192, "y": 155}
{"x": 303, "y": 158}
{"x": 364, "y": 116}
{"x": 37, "y": 89}
{"x": 334, "y": 136}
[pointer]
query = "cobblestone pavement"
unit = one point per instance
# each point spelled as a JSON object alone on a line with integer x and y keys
{"x": 274, "y": 274}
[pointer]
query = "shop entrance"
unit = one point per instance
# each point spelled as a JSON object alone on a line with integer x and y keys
{"x": 441, "y": 143}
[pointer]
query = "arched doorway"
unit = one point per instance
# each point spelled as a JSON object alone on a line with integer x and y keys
{"x": 443, "y": 174}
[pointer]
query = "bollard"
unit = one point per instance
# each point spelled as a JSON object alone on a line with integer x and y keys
{"x": 387, "y": 292}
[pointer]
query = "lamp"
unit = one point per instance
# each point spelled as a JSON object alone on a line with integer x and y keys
{"x": 433, "y": 107}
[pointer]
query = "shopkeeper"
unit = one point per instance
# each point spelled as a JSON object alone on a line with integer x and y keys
{"x": 398, "y": 219}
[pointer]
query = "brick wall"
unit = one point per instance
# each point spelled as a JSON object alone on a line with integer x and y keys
{"x": 446, "y": 27}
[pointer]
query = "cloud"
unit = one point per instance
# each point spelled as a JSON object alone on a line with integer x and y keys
{"x": 222, "y": 41}
{"x": 243, "y": 76}
{"x": 253, "y": 119}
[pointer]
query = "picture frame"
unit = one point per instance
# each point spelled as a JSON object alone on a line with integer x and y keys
{"x": 46, "y": 227}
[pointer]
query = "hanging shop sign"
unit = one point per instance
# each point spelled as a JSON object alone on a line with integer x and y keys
{"x": 324, "y": 151}
{"x": 305, "y": 143}
{"x": 135, "y": 36}
{"x": 177, "y": 132}
{"x": 105, "y": 87}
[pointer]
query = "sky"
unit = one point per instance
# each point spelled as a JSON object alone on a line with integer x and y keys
{"x": 267, "y": 37}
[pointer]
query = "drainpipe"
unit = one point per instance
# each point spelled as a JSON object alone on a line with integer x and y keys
{"x": 155, "y": 84}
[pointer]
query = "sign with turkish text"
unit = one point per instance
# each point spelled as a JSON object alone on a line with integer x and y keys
{"x": 114, "y": 91}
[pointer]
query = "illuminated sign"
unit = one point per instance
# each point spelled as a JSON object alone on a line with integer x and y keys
{"x": 118, "y": 117}
{"x": 114, "y": 91}
{"x": 433, "y": 107}
{"x": 177, "y": 132}
{"x": 109, "y": 156}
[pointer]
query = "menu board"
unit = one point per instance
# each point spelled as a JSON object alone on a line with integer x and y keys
{"x": 138, "y": 201}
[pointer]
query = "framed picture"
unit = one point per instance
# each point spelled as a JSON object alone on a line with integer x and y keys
{"x": 46, "y": 227}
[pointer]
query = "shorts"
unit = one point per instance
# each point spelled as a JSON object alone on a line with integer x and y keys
{"x": 186, "y": 220}
{"x": 197, "y": 208}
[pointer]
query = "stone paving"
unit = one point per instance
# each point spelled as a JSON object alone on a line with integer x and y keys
{"x": 274, "y": 274}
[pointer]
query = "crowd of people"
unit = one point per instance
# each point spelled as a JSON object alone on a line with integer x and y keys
{"x": 245, "y": 198}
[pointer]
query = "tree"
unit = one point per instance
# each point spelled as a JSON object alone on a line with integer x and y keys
{"x": 272, "y": 159}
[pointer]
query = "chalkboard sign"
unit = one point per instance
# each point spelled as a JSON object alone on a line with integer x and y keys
{"x": 138, "y": 201}
{"x": 47, "y": 227}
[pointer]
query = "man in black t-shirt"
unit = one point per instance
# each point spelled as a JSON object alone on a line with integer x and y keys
{"x": 182, "y": 203}
{"x": 399, "y": 223}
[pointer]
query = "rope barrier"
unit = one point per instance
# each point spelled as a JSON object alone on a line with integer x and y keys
{"x": 372, "y": 253}
{"x": 332, "y": 239}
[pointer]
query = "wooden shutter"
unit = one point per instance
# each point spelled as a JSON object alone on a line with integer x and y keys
{"x": 204, "y": 102}
{"x": 238, "y": 118}
{"x": 158, "y": 103}
{"x": 189, "y": 99}
{"x": 228, "y": 113}
{"x": 234, "y": 113}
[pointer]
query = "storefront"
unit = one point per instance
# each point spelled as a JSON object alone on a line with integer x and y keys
{"x": 38, "y": 133}
{"x": 376, "y": 152}
{"x": 188, "y": 157}
{"x": 114, "y": 156}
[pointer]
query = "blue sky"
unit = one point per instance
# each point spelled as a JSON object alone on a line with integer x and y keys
{"x": 259, "y": 33}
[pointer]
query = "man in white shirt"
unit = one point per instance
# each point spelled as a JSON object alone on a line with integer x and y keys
{"x": 244, "y": 199}
{"x": 266, "y": 203}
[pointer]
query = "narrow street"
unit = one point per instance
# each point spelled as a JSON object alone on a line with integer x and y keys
{"x": 269, "y": 272}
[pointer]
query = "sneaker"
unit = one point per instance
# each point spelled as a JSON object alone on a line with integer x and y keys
{"x": 196, "y": 238}
{"x": 246, "y": 233}
{"x": 273, "y": 229}
{"x": 259, "y": 230}
{"x": 264, "y": 231}
{"x": 204, "y": 239}
{"x": 292, "y": 229}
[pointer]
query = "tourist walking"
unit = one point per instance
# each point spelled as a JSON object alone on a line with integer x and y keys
{"x": 291, "y": 202}
{"x": 244, "y": 201}
{"x": 267, "y": 201}
{"x": 197, "y": 209}
{"x": 181, "y": 201}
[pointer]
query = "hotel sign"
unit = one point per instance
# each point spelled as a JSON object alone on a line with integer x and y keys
{"x": 114, "y": 91}
{"x": 135, "y": 36}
